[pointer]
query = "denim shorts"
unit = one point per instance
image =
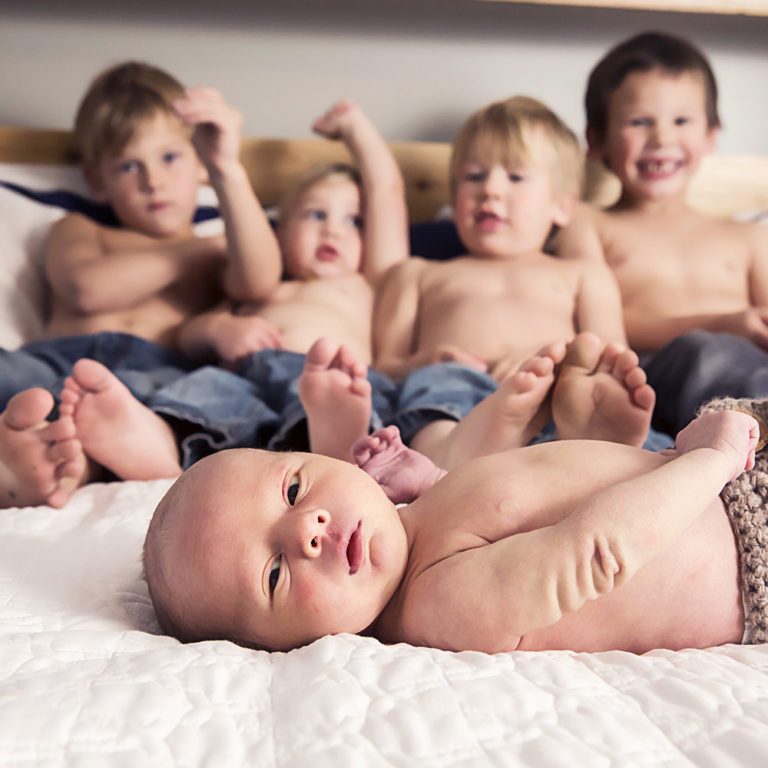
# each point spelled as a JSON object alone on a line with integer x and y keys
{"x": 439, "y": 391}
{"x": 141, "y": 365}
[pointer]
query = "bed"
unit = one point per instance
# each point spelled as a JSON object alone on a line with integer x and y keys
{"x": 87, "y": 679}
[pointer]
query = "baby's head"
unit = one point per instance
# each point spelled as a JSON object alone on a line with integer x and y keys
{"x": 136, "y": 153}
{"x": 320, "y": 223}
{"x": 272, "y": 550}
{"x": 516, "y": 173}
{"x": 641, "y": 83}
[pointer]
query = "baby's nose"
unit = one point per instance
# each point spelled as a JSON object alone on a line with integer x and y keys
{"x": 314, "y": 527}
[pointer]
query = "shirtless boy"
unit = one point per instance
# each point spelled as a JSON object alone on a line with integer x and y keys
{"x": 524, "y": 549}
{"x": 694, "y": 288}
{"x": 516, "y": 173}
{"x": 120, "y": 294}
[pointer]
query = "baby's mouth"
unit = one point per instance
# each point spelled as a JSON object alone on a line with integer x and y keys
{"x": 355, "y": 550}
{"x": 327, "y": 253}
{"x": 487, "y": 219}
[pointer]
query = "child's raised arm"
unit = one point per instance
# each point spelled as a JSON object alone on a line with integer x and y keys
{"x": 385, "y": 216}
{"x": 529, "y": 580}
{"x": 254, "y": 256}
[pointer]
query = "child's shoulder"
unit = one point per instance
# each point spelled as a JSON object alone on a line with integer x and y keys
{"x": 73, "y": 226}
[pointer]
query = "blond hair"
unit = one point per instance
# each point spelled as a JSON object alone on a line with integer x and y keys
{"x": 116, "y": 102}
{"x": 502, "y": 132}
{"x": 314, "y": 175}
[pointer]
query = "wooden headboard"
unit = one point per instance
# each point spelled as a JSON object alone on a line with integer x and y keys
{"x": 725, "y": 185}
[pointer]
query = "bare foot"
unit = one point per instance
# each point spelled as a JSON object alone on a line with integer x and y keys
{"x": 402, "y": 473}
{"x": 336, "y": 396}
{"x": 115, "y": 429}
{"x": 602, "y": 394}
{"x": 40, "y": 462}
{"x": 509, "y": 418}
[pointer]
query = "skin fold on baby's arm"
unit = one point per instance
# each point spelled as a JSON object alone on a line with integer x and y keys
{"x": 529, "y": 580}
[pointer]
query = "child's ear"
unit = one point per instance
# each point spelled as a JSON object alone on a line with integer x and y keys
{"x": 595, "y": 147}
{"x": 202, "y": 174}
{"x": 564, "y": 208}
{"x": 712, "y": 136}
{"x": 95, "y": 183}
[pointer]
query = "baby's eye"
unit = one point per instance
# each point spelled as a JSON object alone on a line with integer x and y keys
{"x": 638, "y": 121}
{"x": 292, "y": 490}
{"x": 128, "y": 166}
{"x": 274, "y": 573}
{"x": 170, "y": 157}
{"x": 315, "y": 214}
{"x": 354, "y": 220}
{"x": 515, "y": 177}
{"x": 474, "y": 176}
{"x": 682, "y": 120}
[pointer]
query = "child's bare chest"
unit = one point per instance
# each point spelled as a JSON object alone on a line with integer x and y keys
{"x": 687, "y": 260}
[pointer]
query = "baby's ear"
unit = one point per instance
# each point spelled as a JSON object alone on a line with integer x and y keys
{"x": 712, "y": 136}
{"x": 95, "y": 183}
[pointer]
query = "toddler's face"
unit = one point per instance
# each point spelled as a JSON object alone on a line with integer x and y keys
{"x": 320, "y": 237}
{"x": 501, "y": 210}
{"x": 278, "y": 549}
{"x": 152, "y": 183}
{"x": 657, "y": 132}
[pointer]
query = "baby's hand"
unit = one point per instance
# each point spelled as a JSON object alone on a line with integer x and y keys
{"x": 751, "y": 324}
{"x": 451, "y": 353}
{"x": 217, "y": 127}
{"x": 340, "y": 120}
{"x": 733, "y": 433}
{"x": 240, "y": 335}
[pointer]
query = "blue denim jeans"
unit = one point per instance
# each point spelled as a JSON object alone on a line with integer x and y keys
{"x": 140, "y": 364}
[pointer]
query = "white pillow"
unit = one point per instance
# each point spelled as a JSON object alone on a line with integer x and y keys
{"x": 24, "y": 224}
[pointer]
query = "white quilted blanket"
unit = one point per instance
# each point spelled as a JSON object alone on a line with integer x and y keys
{"x": 85, "y": 680}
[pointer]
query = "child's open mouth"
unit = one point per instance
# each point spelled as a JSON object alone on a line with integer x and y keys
{"x": 658, "y": 168}
{"x": 355, "y": 550}
{"x": 327, "y": 253}
{"x": 487, "y": 220}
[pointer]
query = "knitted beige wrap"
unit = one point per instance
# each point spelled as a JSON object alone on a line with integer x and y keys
{"x": 746, "y": 501}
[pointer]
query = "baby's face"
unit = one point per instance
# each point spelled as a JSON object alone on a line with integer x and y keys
{"x": 657, "y": 132}
{"x": 504, "y": 209}
{"x": 152, "y": 184}
{"x": 278, "y": 549}
{"x": 320, "y": 237}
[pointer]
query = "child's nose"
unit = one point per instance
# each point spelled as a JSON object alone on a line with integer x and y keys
{"x": 494, "y": 181}
{"x": 150, "y": 177}
{"x": 313, "y": 527}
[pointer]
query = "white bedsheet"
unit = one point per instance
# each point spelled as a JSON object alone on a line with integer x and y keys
{"x": 85, "y": 680}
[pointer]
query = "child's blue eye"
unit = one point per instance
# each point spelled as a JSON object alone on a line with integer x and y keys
{"x": 169, "y": 157}
{"x": 127, "y": 166}
{"x": 515, "y": 177}
{"x": 315, "y": 214}
{"x": 274, "y": 573}
{"x": 681, "y": 120}
{"x": 638, "y": 121}
{"x": 354, "y": 221}
{"x": 474, "y": 176}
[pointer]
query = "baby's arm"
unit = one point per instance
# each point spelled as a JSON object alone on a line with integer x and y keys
{"x": 222, "y": 335}
{"x": 385, "y": 216}
{"x": 402, "y": 473}
{"x": 490, "y": 596}
{"x": 84, "y": 276}
{"x": 598, "y": 304}
{"x": 254, "y": 264}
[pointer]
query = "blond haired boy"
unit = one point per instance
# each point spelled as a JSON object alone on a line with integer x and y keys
{"x": 694, "y": 288}
{"x": 120, "y": 293}
{"x": 516, "y": 174}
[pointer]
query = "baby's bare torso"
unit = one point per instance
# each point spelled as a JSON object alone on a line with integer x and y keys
{"x": 339, "y": 308}
{"x": 497, "y": 308}
{"x": 686, "y": 597}
{"x": 679, "y": 264}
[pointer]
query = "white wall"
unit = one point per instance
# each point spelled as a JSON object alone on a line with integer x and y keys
{"x": 417, "y": 66}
